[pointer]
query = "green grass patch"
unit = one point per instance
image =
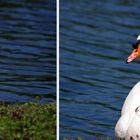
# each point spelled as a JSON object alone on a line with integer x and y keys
{"x": 28, "y": 121}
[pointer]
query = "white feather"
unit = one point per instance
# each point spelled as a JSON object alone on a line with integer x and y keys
{"x": 129, "y": 123}
{"x": 138, "y": 38}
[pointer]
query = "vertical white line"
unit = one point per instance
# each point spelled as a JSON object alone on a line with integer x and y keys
{"x": 57, "y": 67}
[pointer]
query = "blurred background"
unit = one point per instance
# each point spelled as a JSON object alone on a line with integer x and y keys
{"x": 27, "y": 50}
{"x": 95, "y": 40}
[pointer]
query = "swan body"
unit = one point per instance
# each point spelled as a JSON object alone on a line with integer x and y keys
{"x": 128, "y": 126}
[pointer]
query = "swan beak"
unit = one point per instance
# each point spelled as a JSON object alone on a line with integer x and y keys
{"x": 132, "y": 56}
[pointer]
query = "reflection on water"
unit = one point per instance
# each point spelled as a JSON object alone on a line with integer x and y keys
{"x": 27, "y": 51}
{"x": 95, "y": 39}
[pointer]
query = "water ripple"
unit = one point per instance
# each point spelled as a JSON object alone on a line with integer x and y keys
{"x": 27, "y": 56}
{"x": 95, "y": 40}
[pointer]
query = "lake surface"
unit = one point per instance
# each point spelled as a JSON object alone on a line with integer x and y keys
{"x": 95, "y": 40}
{"x": 27, "y": 51}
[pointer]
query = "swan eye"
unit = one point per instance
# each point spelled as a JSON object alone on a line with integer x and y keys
{"x": 135, "y": 46}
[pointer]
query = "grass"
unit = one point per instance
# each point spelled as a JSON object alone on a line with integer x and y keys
{"x": 28, "y": 121}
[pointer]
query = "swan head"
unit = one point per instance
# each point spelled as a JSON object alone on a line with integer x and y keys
{"x": 136, "y": 52}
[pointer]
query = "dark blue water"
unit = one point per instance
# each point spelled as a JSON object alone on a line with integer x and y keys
{"x": 27, "y": 51}
{"x": 95, "y": 40}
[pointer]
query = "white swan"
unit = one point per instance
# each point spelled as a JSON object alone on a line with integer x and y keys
{"x": 128, "y": 126}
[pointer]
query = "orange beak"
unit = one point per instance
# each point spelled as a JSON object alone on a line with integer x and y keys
{"x": 133, "y": 56}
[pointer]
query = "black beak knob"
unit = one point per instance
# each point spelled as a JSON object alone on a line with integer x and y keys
{"x": 126, "y": 61}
